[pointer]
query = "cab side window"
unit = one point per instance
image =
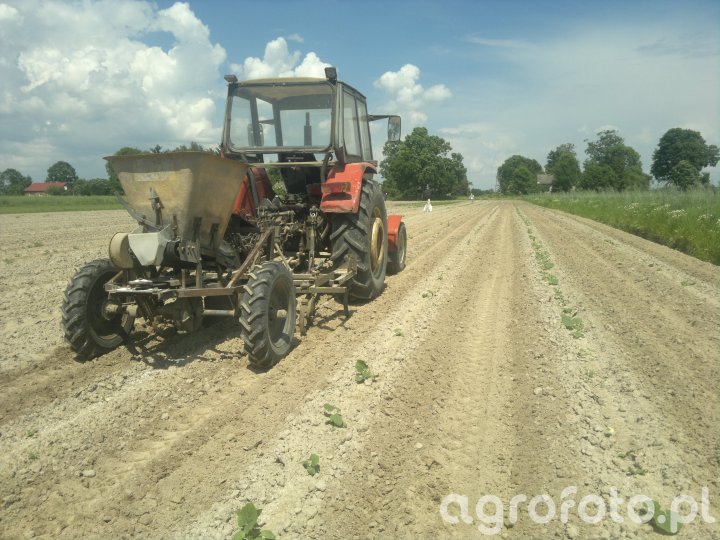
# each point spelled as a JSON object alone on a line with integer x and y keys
{"x": 351, "y": 132}
{"x": 364, "y": 131}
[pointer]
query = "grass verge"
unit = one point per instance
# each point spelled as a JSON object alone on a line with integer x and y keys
{"x": 27, "y": 205}
{"x": 686, "y": 221}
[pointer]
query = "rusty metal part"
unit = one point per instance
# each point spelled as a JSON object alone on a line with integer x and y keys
{"x": 250, "y": 259}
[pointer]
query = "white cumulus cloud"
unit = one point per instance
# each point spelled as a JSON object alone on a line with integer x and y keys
{"x": 78, "y": 80}
{"x": 407, "y": 95}
{"x": 279, "y": 61}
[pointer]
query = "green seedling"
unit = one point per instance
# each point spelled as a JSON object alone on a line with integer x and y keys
{"x": 687, "y": 283}
{"x": 363, "y": 373}
{"x": 398, "y": 332}
{"x": 665, "y": 522}
{"x": 636, "y": 470}
{"x": 31, "y": 433}
{"x": 312, "y": 464}
{"x": 428, "y": 294}
{"x": 33, "y": 456}
{"x": 574, "y": 324}
{"x": 333, "y": 416}
{"x": 247, "y": 521}
{"x": 552, "y": 280}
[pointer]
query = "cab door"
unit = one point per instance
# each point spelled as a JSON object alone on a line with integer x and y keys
{"x": 355, "y": 130}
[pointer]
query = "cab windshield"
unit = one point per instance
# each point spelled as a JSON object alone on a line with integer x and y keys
{"x": 280, "y": 117}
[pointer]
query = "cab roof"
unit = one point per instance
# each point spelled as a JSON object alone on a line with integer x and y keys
{"x": 293, "y": 81}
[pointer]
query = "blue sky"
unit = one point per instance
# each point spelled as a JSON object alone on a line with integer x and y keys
{"x": 78, "y": 80}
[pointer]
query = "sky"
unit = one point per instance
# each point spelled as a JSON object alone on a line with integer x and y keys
{"x": 81, "y": 79}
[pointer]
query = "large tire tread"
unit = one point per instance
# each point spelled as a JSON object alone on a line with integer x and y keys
{"x": 253, "y": 315}
{"x": 350, "y": 236}
{"x": 77, "y": 328}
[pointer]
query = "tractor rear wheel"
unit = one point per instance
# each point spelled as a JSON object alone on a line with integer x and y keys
{"x": 364, "y": 236}
{"x": 89, "y": 326}
{"x": 268, "y": 314}
{"x": 396, "y": 259}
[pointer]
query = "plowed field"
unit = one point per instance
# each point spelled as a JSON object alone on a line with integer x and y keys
{"x": 481, "y": 390}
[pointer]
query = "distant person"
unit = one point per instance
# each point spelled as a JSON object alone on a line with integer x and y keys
{"x": 428, "y": 206}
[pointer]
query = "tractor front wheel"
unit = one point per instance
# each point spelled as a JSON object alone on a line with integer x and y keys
{"x": 90, "y": 327}
{"x": 364, "y": 236}
{"x": 268, "y": 314}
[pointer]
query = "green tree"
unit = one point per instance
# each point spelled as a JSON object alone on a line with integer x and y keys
{"x": 563, "y": 164}
{"x": 96, "y": 186}
{"x": 523, "y": 180}
{"x": 598, "y": 177}
{"x": 678, "y": 144}
{"x": 423, "y": 160}
{"x": 124, "y": 151}
{"x": 518, "y": 175}
{"x": 62, "y": 171}
{"x": 610, "y": 150}
{"x": 12, "y": 182}
{"x": 554, "y": 155}
{"x": 684, "y": 175}
{"x": 566, "y": 171}
{"x": 194, "y": 147}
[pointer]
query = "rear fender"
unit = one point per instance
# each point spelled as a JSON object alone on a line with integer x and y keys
{"x": 341, "y": 191}
{"x": 393, "y": 223}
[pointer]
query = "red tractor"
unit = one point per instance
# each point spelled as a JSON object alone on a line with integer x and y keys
{"x": 216, "y": 237}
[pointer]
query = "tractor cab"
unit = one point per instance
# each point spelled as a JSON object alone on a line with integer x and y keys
{"x": 303, "y": 126}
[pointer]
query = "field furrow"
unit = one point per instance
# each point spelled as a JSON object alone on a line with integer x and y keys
{"x": 482, "y": 390}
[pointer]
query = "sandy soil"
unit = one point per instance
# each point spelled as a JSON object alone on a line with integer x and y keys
{"x": 481, "y": 390}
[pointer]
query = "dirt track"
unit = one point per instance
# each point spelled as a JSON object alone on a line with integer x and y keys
{"x": 481, "y": 391}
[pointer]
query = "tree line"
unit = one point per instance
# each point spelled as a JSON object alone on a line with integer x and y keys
{"x": 678, "y": 160}
{"x": 13, "y": 182}
{"x": 423, "y": 166}
{"x": 420, "y": 166}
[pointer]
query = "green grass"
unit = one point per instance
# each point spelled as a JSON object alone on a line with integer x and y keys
{"x": 11, "y": 204}
{"x": 686, "y": 221}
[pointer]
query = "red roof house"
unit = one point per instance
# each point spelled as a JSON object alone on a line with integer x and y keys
{"x": 40, "y": 188}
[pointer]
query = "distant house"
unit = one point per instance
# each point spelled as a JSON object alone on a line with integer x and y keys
{"x": 545, "y": 179}
{"x": 39, "y": 189}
